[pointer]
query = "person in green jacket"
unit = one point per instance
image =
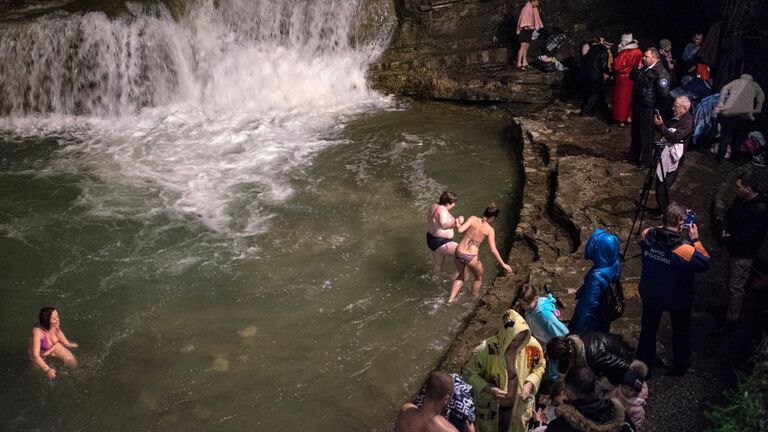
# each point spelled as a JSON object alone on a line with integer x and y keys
{"x": 505, "y": 370}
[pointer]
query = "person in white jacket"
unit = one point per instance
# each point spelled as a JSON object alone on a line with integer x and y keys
{"x": 739, "y": 101}
{"x": 741, "y": 97}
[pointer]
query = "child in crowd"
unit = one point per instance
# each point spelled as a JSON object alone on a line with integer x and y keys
{"x": 632, "y": 392}
{"x": 542, "y": 317}
{"x": 556, "y": 398}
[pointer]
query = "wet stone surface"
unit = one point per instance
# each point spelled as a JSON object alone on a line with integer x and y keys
{"x": 577, "y": 179}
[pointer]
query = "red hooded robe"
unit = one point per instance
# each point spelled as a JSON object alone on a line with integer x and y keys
{"x": 622, "y": 89}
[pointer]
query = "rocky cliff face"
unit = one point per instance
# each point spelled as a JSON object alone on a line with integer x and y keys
{"x": 462, "y": 49}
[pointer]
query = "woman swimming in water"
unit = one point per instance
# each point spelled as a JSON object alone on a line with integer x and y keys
{"x": 440, "y": 225}
{"x": 477, "y": 229}
{"x": 48, "y": 340}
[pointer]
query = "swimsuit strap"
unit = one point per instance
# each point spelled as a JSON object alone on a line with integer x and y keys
{"x": 476, "y": 241}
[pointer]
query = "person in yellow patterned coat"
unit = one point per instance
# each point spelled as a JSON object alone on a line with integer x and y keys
{"x": 505, "y": 371}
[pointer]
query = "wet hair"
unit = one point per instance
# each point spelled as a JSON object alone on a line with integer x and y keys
{"x": 654, "y": 53}
{"x": 559, "y": 348}
{"x": 44, "y": 317}
{"x": 581, "y": 381}
{"x": 527, "y": 294}
{"x": 491, "y": 211}
{"x": 439, "y": 385}
{"x": 448, "y": 197}
{"x": 672, "y": 215}
{"x": 749, "y": 180}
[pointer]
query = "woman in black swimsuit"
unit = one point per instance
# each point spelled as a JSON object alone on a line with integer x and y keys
{"x": 440, "y": 225}
{"x": 477, "y": 229}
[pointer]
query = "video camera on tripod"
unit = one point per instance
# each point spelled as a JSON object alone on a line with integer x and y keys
{"x": 642, "y": 204}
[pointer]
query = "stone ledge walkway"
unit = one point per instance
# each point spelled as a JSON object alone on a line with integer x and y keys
{"x": 576, "y": 182}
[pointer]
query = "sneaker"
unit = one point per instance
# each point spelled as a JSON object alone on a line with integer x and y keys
{"x": 759, "y": 161}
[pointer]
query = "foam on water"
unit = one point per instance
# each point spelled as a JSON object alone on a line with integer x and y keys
{"x": 205, "y": 118}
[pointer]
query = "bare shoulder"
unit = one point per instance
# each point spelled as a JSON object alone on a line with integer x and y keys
{"x": 441, "y": 424}
{"x": 407, "y": 418}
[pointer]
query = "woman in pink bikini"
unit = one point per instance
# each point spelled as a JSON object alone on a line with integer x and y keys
{"x": 440, "y": 225}
{"x": 477, "y": 229}
{"x": 48, "y": 340}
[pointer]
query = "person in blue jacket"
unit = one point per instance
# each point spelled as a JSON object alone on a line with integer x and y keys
{"x": 541, "y": 314}
{"x": 603, "y": 250}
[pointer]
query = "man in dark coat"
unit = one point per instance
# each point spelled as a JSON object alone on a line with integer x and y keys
{"x": 593, "y": 67}
{"x": 583, "y": 411}
{"x": 670, "y": 261}
{"x": 743, "y": 233}
{"x": 649, "y": 93}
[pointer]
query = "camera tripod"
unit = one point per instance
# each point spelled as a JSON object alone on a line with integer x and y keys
{"x": 642, "y": 204}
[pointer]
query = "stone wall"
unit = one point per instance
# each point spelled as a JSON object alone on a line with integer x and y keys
{"x": 462, "y": 49}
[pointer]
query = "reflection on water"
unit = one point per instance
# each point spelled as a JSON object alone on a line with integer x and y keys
{"x": 193, "y": 310}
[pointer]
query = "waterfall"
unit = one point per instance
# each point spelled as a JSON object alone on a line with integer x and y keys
{"x": 262, "y": 54}
{"x": 206, "y": 116}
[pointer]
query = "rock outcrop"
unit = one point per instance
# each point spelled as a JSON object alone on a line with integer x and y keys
{"x": 463, "y": 49}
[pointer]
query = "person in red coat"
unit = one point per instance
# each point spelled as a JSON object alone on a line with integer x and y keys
{"x": 628, "y": 58}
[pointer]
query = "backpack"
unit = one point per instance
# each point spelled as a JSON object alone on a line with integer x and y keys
{"x": 611, "y": 305}
{"x": 544, "y": 66}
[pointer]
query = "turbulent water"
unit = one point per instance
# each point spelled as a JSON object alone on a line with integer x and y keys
{"x": 229, "y": 219}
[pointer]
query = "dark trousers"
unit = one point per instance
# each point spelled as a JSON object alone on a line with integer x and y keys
{"x": 681, "y": 336}
{"x": 733, "y": 132}
{"x": 642, "y": 135}
{"x": 663, "y": 189}
{"x": 595, "y": 97}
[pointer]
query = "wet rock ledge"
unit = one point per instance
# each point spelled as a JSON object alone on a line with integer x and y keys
{"x": 576, "y": 181}
{"x": 464, "y": 50}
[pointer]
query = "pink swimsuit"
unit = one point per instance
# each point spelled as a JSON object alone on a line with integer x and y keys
{"x": 45, "y": 345}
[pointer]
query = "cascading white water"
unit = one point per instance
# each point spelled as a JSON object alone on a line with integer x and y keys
{"x": 263, "y": 54}
{"x": 204, "y": 117}
{"x": 88, "y": 64}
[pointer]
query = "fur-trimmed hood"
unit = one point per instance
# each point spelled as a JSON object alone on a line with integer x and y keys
{"x": 593, "y": 415}
{"x": 579, "y": 355}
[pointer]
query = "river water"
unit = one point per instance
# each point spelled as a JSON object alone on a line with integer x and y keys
{"x": 235, "y": 239}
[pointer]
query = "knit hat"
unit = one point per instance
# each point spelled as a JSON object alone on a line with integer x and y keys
{"x": 633, "y": 378}
{"x": 665, "y": 44}
{"x": 627, "y": 42}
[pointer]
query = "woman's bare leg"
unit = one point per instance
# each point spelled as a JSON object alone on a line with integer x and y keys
{"x": 439, "y": 255}
{"x": 522, "y": 53}
{"x": 63, "y": 353}
{"x": 476, "y": 267}
{"x": 458, "y": 281}
{"x": 437, "y": 261}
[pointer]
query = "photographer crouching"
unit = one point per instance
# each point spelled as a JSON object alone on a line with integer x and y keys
{"x": 675, "y": 133}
